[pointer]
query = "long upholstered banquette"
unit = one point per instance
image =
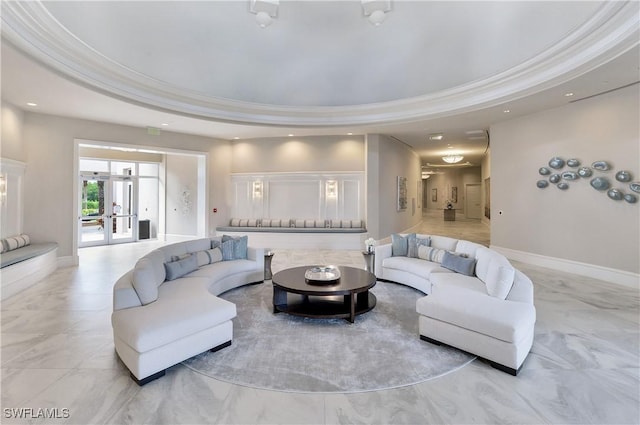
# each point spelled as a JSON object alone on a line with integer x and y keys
{"x": 475, "y": 299}
{"x": 166, "y": 309}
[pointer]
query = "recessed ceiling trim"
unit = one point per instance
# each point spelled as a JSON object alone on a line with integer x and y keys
{"x": 610, "y": 32}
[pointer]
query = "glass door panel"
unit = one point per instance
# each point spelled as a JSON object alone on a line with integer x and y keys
{"x": 124, "y": 219}
{"x": 108, "y": 210}
{"x": 92, "y": 210}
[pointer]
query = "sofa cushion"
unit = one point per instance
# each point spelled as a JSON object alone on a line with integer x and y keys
{"x": 443, "y": 242}
{"x": 173, "y": 250}
{"x": 468, "y": 248}
{"x": 176, "y": 269}
{"x": 500, "y": 278}
{"x": 198, "y": 245}
{"x": 222, "y": 269}
{"x": 483, "y": 259}
{"x": 458, "y": 263}
{"x": 431, "y": 254}
{"x": 469, "y": 283}
{"x": 144, "y": 281}
{"x": 166, "y": 320}
{"x": 508, "y": 321}
{"x": 413, "y": 265}
{"x": 209, "y": 256}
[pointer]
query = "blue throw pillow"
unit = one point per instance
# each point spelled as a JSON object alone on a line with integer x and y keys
{"x": 459, "y": 264}
{"x": 176, "y": 269}
{"x": 234, "y": 248}
{"x": 400, "y": 244}
{"x": 415, "y": 243}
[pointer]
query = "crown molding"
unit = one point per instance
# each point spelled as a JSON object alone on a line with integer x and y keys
{"x": 610, "y": 32}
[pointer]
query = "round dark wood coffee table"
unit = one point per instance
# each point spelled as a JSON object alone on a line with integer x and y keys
{"x": 345, "y": 299}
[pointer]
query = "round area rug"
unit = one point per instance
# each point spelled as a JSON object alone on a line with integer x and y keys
{"x": 381, "y": 350}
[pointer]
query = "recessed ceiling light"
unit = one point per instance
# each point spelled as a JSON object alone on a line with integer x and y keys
{"x": 474, "y": 132}
{"x": 506, "y": 111}
{"x": 477, "y": 138}
{"x": 31, "y": 104}
{"x": 436, "y": 136}
{"x": 164, "y": 124}
{"x": 349, "y": 134}
{"x": 290, "y": 135}
{"x": 568, "y": 94}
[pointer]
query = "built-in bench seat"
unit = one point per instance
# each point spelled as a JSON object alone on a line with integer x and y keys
{"x": 26, "y": 253}
{"x": 22, "y": 267}
{"x": 299, "y": 234}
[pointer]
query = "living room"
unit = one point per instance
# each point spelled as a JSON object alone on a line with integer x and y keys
{"x": 579, "y": 247}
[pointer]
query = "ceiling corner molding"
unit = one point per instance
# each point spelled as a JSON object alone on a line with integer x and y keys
{"x": 611, "y": 31}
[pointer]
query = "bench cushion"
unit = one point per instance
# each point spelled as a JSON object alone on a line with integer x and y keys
{"x": 25, "y": 253}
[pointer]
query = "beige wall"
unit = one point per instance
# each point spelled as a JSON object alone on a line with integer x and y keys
{"x": 579, "y": 224}
{"x": 48, "y": 144}
{"x": 298, "y": 154}
{"x": 443, "y": 183}
{"x": 387, "y": 159}
{"x": 11, "y": 140}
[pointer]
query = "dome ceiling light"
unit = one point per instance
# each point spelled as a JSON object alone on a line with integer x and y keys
{"x": 452, "y": 158}
{"x": 265, "y": 11}
{"x": 376, "y": 10}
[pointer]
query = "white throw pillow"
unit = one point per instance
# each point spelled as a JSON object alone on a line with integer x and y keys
{"x": 499, "y": 279}
{"x": 431, "y": 254}
{"x": 144, "y": 281}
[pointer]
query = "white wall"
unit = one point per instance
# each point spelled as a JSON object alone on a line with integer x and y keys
{"x": 580, "y": 224}
{"x": 387, "y": 159}
{"x": 11, "y": 146}
{"x": 48, "y": 143}
{"x": 182, "y": 200}
{"x": 445, "y": 182}
{"x": 299, "y": 154}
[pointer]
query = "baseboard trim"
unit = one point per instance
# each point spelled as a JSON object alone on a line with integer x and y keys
{"x": 68, "y": 261}
{"x": 620, "y": 277}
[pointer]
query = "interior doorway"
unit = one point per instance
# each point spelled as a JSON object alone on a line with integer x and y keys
{"x": 473, "y": 199}
{"x": 108, "y": 209}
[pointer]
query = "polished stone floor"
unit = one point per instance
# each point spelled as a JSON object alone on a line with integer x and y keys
{"x": 57, "y": 353}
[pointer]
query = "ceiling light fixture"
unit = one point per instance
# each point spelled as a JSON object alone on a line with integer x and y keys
{"x": 452, "y": 158}
{"x": 265, "y": 10}
{"x": 376, "y": 10}
{"x": 436, "y": 136}
{"x": 31, "y": 104}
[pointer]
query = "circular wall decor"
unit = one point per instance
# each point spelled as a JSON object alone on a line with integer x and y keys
{"x": 600, "y": 183}
{"x": 615, "y": 194}
{"x": 585, "y": 172}
{"x": 600, "y": 165}
{"x": 556, "y": 163}
{"x": 623, "y": 176}
{"x": 573, "y": 162}
{"x": 542, "y": 184}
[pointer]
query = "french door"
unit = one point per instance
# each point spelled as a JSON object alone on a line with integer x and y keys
{"x": 108, "y": 209}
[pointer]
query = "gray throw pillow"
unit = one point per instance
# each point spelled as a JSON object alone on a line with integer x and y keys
{"x": 459, "y": 264}
{"x": 414, "y": 243}
{"x": 400, "y": 244}
{"x": 176, "y": 269}
{"x": 236, "y": 250}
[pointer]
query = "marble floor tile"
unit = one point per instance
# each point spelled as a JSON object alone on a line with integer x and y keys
{"x": 57, "y": 352}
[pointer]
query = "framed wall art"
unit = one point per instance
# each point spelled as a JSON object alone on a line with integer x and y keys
{"x": 402, "y": 193}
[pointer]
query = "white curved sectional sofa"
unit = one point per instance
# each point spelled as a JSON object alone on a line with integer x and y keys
{"x": 165, "y": 310}
{"x": 476, "y": 300}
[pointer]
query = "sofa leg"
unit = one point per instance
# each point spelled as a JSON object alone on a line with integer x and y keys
{"x": 432, "y": 341}
{"x": 148, "y": 379}
{"x": 221, "y": 346}
{"x": 503, "y": 368}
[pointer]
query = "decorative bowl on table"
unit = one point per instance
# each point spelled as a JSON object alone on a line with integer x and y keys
{"x": 322, "y": 275}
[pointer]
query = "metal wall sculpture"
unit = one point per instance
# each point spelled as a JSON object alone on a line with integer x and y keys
{"x": 562, "y": 179}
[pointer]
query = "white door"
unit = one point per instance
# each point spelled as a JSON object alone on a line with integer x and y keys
{"x": 472, "y": 201}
